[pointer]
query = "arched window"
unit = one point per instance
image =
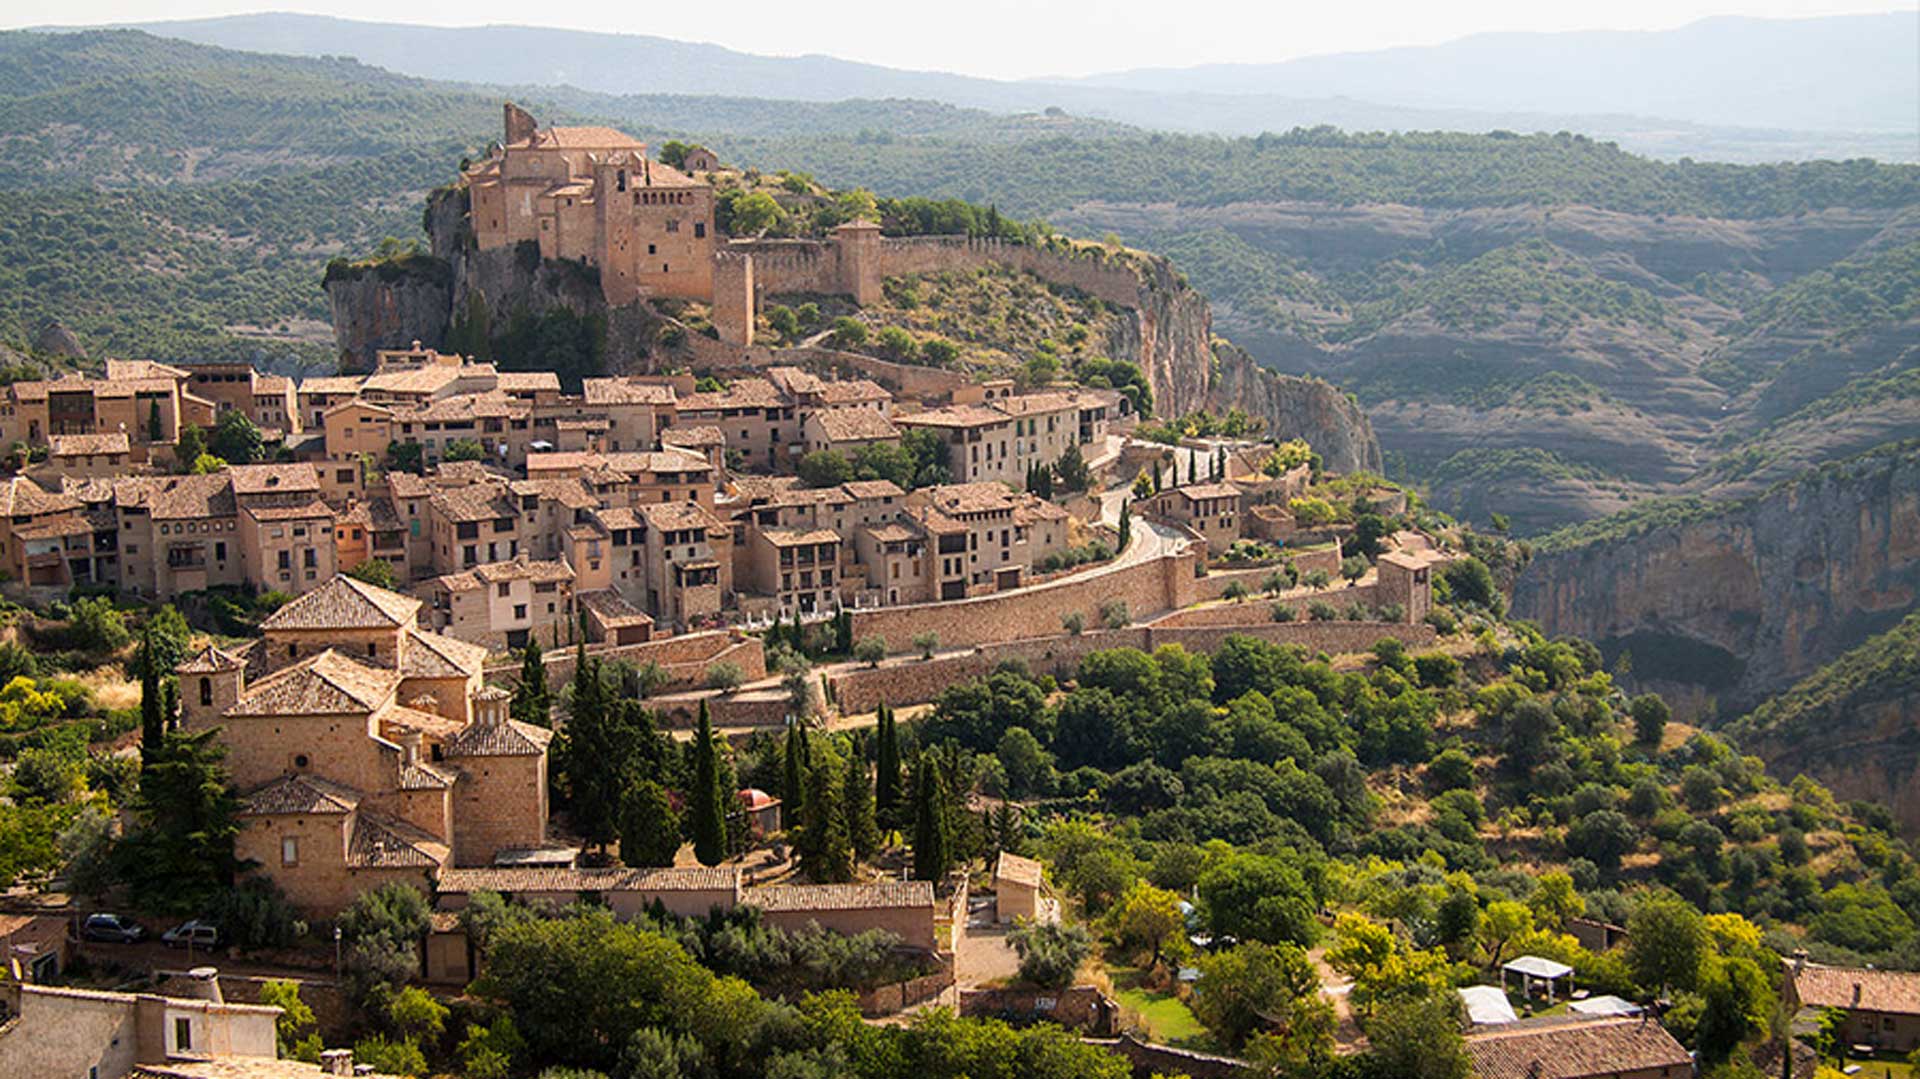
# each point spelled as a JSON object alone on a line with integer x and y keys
{"x": 206, "y": 692}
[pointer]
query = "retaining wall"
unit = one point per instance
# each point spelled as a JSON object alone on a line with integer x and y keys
{"x": 905, "y": 681}
{"x": 684, "y": 657}
{"x": 1259, "y": 608}
{"x": 1160, "y": 584}
{"x": 1080, "y": 1007}
{"x": 898, "y": 997}
{"x": 1149, "y": 1059}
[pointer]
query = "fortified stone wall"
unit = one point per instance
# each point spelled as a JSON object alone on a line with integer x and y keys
{"x": 685, "y": 658}
{"x": 1259, "y": 608}
{"x": 909, "y": 681}
{"x": 1161, "y": 584}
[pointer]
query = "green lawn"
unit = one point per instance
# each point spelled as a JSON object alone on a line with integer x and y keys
{"x": 1169, "y": 1020}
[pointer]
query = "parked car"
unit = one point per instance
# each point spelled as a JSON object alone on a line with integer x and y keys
{"x": 200, "y": 934}
{"x": 112, "y": 928}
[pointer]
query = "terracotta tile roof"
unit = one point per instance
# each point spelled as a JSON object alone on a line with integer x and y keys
{"x": 464, "y": 473}
{"x": 434, "y": 655}
{"x": 796, "y": 537}
{"x": 210, "y": 660}
{"x": 380, "y": 842}
{"x": 1562, "y": 1049}
{"x": 344, "y": 602}
{"x": 509, "y": 739}
{"x": 1031, "y": 403}
{"x": 895, "y": 532}
{"x": 854, "y": 425}
{"x": 971, "y": 497}
{"x": 142, "y": 370}
{"x": 403, "y": 718}
{"x": 1852, "y": 988}
{"x": 84, "y": 445}
{"x": 1414, "y": 559}
{"x": 882, "y": 895}
{"x": 762, "y": 488}
{"x": 527, "y": 381}
{"x": 696, "y": 435}
{"x": 742, "y": 393}
{"x": 328, "y": 684}
{"x": 810, "y": 496}
{"x": 376, "y": 514}
{"x": 793, "y": 380}
{"x": 864, "y": 489}
{"x": 848, "y": 391}
{"x": 331, "y": 384}
{"x": 476, "y": 502}
{"x": 310, "y": 510}
{"x": 179, "y": 497}
{"x": 620, "y": 391}
{"x": 523, "y": 569}
{"x": 955, "y": 416}
{"x": 674, "y": 516}
{"x": 275, "y": 385}
{"x": 1017, "y": 870}
{"x": 301, "y": 794}
{"x": 522, "y": 879}
{"x": 1031, "y": 508}
{"x": 410, "y": 380}
{"x": 408, "y": 485}
{"x": 53, "y": 528}
{"x": 617, "y": 517}
{"x": 21, "y": 497}
{"x": 466, "y": 406}
{"x": 1196, "y": 491}
{"x": 422, "y": 776}
{"x": 587, "y": 138}
{"x": 273, "y": 479}
{"x": 612, "y": 609}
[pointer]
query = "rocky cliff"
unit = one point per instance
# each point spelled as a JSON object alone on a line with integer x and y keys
{"x": 1719, "y": 604}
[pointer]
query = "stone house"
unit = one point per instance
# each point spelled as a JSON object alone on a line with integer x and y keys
{"x": 684, "y": 550}
{"x": 57, "y": 1031}
{"x": 1211, "y": 510}
{"x": 500, "y": 605}
{"x": 1882, "y": 1007}
{"x": 366, "y": 749}
{"x": 986, "y": 536}
{"x": 1002, "y": 437}
{"x": 85, "y": 457}
{"x": 846, "y": 431}
{"x": 1563, "y": 1048}
{"x": 796, "y": 567}
{"x": 127, "y": 400}
{"x": 1406, "y": 578}
{"x": 905, "y": 908}
{"x": 268, "y": 400}
{"x": 758, "y": 421}
{"x": 635, "y": 410}
{"x": 1016, "y": 888}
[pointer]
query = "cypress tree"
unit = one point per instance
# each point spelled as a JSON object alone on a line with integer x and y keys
{"x": 1126, "y": 522}
{"x": 532, "y": 703}
{"x": 649, "y": 829}
{"x": 153, "y": 722}
{"x": 709, "y": 806}
{"x": 793, "y": 789}
{"x": 826, "y": 851}
{"x": 886, "y": 783}
{"x": 596, "y": 758}
{"x": 858, "y": 802}
{"x": 1156, "y": 476}
{"x": 932, "y": 852}
{"x": 843, "y": 632}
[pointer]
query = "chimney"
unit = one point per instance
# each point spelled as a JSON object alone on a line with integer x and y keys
{"x": 410, "y": 747}
{"x": 1856, "y": 995}
{"x": 1799, "y": 960}
{"x": 336, "y": 1061}
{"x": 204, "y": 984}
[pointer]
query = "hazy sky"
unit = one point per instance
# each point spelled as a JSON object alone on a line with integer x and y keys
{"x": 1000, "y": 38}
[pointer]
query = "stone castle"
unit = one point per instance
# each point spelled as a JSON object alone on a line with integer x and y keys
{"x": 591, "y": 195}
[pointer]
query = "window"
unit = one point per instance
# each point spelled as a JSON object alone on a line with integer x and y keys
{"x": 502, "y": 589}
{"x": 220, "y": 551}
{"x": 286, "y": 559}
{"x": 699, "y": 230}
{"x": 182, "y": 1035}
{"x": 206, "y": 692}
{"x": 289, "y": 850}
{"x": 520, "y": 611}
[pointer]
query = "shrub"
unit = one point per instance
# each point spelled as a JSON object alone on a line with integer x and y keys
{"x": 1316, "y": 579}
{"x": 849, "y": 332}
{"x": 1436, "y": 670}
{"x": 1284, "y": 613}
{"x": 1050, "y": 954}
{"x": 1074, "y": 623}
{"x": 870, "y": 650}
{"x": 1442, "y": 621}
{"x": 926, "y": 642}
{"x": 1114, "y": 614}
{"x": 725, "y": 676}
{"x": 1321, "y": 611}
{"x": 1234, "y": 592}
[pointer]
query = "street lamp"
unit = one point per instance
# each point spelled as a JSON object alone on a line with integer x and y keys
{"x": 336, "y": 953}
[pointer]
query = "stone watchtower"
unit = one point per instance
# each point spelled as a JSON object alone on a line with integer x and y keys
{"x": 857, "y": 244}
{"x": 520, "y": 124}
{"x": 210, "y": 683}
{"x": 733, "y": 301}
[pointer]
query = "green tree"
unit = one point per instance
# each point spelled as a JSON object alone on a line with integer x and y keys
{"x": 1050, "y": 953}
{"x": 857, "y": 798}
{"x": 532, "y": 702}
{"x": 465, "y": 449}
{"x": 1650, "y": 715}
{"x": 377, "y": 572}
{"x": 295, "y": 1030}
{"x": 793, "y": 775}
{"x": 183, "y": 821}
{"x": 154, "y": 720}
{"x": 826, "y": 850}
{"x": 886, "y": 781}
{"x": 1419, "y": 1040}
{"x": 236, "y": 440}
{"x": 649, "y": 828}
{"x": 1072, "y": 470}
{"x": 98, "y": 626}
{"x": 1258, "y": 897}
{"x": 824, "y": 468}
{"x": 932, "y": 844}
{"x": 189, "y": 447}
{"x": 154, "y": 428}
{"x": 752, "y": 213}
{"x": 383, "y": 928}
{"x": 1666, "y": 943}
{"x": 1736, "y": 1004}
{"x": 595, "y": 756}
{"x": 897, "y": 344}
{"x": 1256, "y": 988}
{"x": 849, "y": 332}
{"x": 709, "y": 800}
{"x": 1148, "y": 919}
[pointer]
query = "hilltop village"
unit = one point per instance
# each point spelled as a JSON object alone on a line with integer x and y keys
{"x": 484, "y": 726}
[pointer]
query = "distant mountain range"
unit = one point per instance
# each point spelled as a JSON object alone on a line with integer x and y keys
{"x": 1736, "y": 89}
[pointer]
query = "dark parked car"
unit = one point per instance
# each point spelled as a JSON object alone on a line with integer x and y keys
{"x": 198, "y": 933}
{"x": 112, "y": 928}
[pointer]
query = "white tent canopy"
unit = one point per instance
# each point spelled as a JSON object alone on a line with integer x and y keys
{"x": 1604, "y": 1005}
{"x": 1533, "y": 968}
{"x": 1487, "y": 1005}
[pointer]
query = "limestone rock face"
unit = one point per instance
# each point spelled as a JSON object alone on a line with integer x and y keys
{"x": 1720, "y": 610}
{"x": 1296, "y": 407}
{"x": 371, "y": 312}
{"x": 54, "y": 339}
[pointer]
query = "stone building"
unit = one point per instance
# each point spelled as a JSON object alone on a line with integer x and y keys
{"x": 58, "y": 1031}
{"x": 985, "y": 536}
{"x": 366, "y": 749}
{"x": 1003, "y": 437}
{"x": 1882, "y": 1007}
{"x": 501, "y": 605}
{"x": 1211, "y": 510}
{"x": 1563, "y": 1048}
